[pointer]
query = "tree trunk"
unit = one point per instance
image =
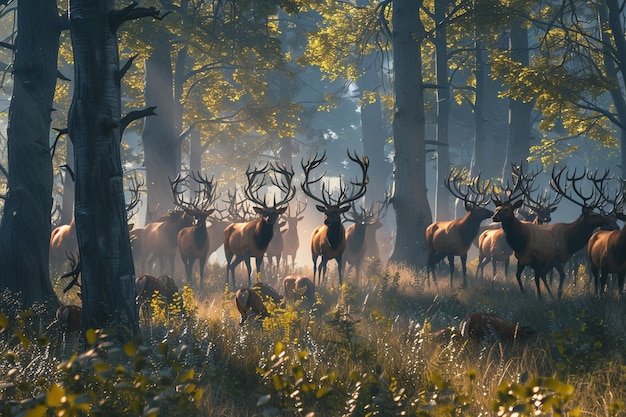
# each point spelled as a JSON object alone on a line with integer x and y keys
{"x": 518, "y": 143}
{"x": 161, "y": 146}
{"x": 25, "y": 226}
{"x": 108, "y": 277}
{"x": 410, "y": 201}
{"x": 442, "y": 195}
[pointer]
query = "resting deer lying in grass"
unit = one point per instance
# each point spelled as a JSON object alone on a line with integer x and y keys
{"x": 532, "y": 245}
{"x": 250, "y": 239}
{"x": 194, "y": 241}
{"x": 296, "y": 288}
{"x": 483, "y": 327}
{"x": 328, "y": 240}
{"x": 251, "y": 301}
{"x": 454, "y": 237}
{"x": 147, "y": 287}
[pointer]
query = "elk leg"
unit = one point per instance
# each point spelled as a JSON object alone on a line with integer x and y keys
{"x": 620, "y": 282}
{"x": 594, "y": 274}
{"x": 249, "y": 269}
{"x": 188, "y": 268}
{"x": 464, "y": 266}
{"x": 451, "y": 262}
{"x": 315, "y": 272}
{"x": 259, "y": 268}
{"x": 202, "y": 262}
{"x": 559, "y": 268}
{"x": 518, "y": 275}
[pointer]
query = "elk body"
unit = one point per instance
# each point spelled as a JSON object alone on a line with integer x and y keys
{"x": 291, "y": 240}
{"x": 147, "y": 286}
{"x": 328, "y": 240}
{"x": 70, "y": 317}
{"x": 356, "y": 233}
{"x": 251, "y": 239}
{"x": 493, "y": 247}
{"x": 250, "y": 301}
{"x": 454, "y": 237}
{"x": 483, "y": 327}
{"x": 63, "y": 244}
{"x": 606, "y": 251}
{"x": 296, "y": 288}
{"x": 275, "y": 248}
{"x": 193, "y": 241}
{"x": 532, "y": 245}
{"x": 158, "y": 241}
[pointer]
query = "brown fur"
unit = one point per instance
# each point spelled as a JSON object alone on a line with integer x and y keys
{"x": 291, "y": 240}
{"x": 483, "y": 327}
{"x": 70, "y": 317}
{"x": 63, "y": 243}
{"x": 194, "y": 243}
{"x": 356, "y": 246}
{"x": 328, "y": 241}
{"x": 249, "y": 303}
{"x": 296, "y": 288}
{"x": 453, "y": 238}
{"x": 607, "y": 254}
{"x": 532, "y": 244}
{"x": 275, "y": 248}
{"x": 146, "y": 286}
{"x": 493, "y": 247}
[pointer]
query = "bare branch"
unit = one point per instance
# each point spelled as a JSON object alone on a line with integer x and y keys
{"x": 132, "y": 12}
{"x": 135, "y": 115}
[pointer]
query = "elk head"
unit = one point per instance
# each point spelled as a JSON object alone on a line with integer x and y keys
{"x": 334, "y": 208}
{"x": 280, "y": 177}
{"x": 199, "y": 206}
{"x": 473, "y": 192}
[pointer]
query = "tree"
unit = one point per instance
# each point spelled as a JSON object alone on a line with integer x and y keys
{"x": 95, "y": 128}
{"x": 25, "y": 227}
{"x": 409, "y": 198}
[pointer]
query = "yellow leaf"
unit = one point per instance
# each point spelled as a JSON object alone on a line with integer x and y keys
{"x": 130, "y": 349}
{"x": 37, "y": 411}
{"x": 4, "y": 321}
{"x": 187, "y": 375}
{"x": 55, "y": 396}
{"x": 91, "y": 336}
{"x": 198, "y": 394}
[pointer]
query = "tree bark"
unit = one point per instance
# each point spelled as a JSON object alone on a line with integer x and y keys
{"x": 162, "y": 155}
{"x": 108, "y": 277}
{"x": 25, "y": 226}
{"x": 409, "y": 200}
{"x": 518, "y": 142}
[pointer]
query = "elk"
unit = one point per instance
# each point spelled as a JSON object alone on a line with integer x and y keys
{"x": 63, "y": 244}
{"x": 295, "y": 288}
{"x": 250, "y": 301}
{"x": 328, "y": 240}
{"x": 147, "y": 287}
{"x": 356, "y": 244}
{"x": 275, "y": 249}
{"x": 532, "y": 244}
{"x": 606, "y": 249}
{"x": 250, "y": 239}
{"x": 70, "y": 317}
{"x": 193, "y": 241}
{"x": 291, "y": 240}
{"x": 454, "y": 237}
{"x": 571, "y": 237}
{"x": 483, "y": 327}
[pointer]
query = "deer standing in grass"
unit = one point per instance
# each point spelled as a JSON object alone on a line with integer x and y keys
{"x": 291, "y": 240}
{"x": 532, "y": 244}
{"x": 356, "y": 244}
{"x": 454, "y": 237}
{"x": 193, "y": 241}
{"x": 328, "y": 240}
{"x": 250, "y": 239}
{"x": 571, "y": 237}
{"x": 606, "y": 249}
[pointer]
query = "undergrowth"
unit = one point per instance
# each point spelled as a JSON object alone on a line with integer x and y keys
{"x": 359, "y": 350}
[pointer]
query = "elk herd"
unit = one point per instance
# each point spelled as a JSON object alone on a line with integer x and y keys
{"x": 261, "y": 220}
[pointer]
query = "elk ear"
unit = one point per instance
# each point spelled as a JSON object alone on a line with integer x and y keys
{"x": 258, "y": 210}
{"x": 210, "y": 211}
{"x": 299, "y": 218}
{"x": 344, "y": 209}
{"x": 320, "y": 208}
{"x": 517, "y": 204}
{"x": 281, "y": 210}
{"x": 553, "y": 209}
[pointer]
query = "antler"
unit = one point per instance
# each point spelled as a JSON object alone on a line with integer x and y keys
{"x": 300, "y": 207}
{"x": 357, "y": 188}
{"x": 202, "y": 199}
{"x": 592, "y": 200}
{"x": 238, "y": 209}
{"x": 521, "y": 185}
{"x": 376, "y": 211}
{"x": 284, "y": 185}
{"x": 74, "y": 273}
{"x": 135, "y": 195}
{"x": 473, "y": 192}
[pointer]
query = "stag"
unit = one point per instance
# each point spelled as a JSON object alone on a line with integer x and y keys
{"x": 606, "y": 249}
{"x": 328, "y": 240}
{"x": 571, "y": 237}
{"x": 291, "y": 241}
{"x": 532, "y": 244}
{"x": 356, "y": 243}
{"x": 193, "y": 241}
{"x": 483, "y": 327}
{"x": 250, "y": 239}
{"x": 454, "y": 237}
{"x": 275, "y": 249}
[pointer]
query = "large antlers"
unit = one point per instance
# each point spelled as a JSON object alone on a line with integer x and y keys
{"x": 357, "y": 188}
{"x": 280, "y": 177}
{"x": 203, "y": 198}
{"x": 473, "y": 192}
{"x": 591, "y": 200}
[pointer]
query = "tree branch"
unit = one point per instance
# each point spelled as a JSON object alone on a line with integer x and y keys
{"x": 122, "y": 71}
{"x": 4, "y": 171}
{"x": 60, "y": 132}
{"x": 132, "y": 12}
{"x": 60, "y": 76}
{"x": 7, "y": 45}
{"x": 135, "y": 115}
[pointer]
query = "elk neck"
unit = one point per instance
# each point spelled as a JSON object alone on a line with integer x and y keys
{"x": 515, "y": 234}
{"x": 200, "y": 234}
{"x": 335, "y": 234}
{"x": 263, "y": 233}
{"x": 469, "y": 226}
{"x": 358, "y": 235}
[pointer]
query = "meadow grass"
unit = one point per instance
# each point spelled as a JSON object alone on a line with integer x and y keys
{"x": 364, "y": 349}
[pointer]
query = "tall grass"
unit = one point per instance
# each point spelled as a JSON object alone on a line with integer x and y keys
{"x": 359, "y": 350}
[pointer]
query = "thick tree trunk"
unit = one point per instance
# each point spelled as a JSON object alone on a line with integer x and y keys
{"x": 161, "y": 146}
{"x": 442, "y": 195}
{"x": 108, "y": 276}
{"x": 518, "y": 143}
{"x": 410, "y": 201}
{"x": 25, "y": 227}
